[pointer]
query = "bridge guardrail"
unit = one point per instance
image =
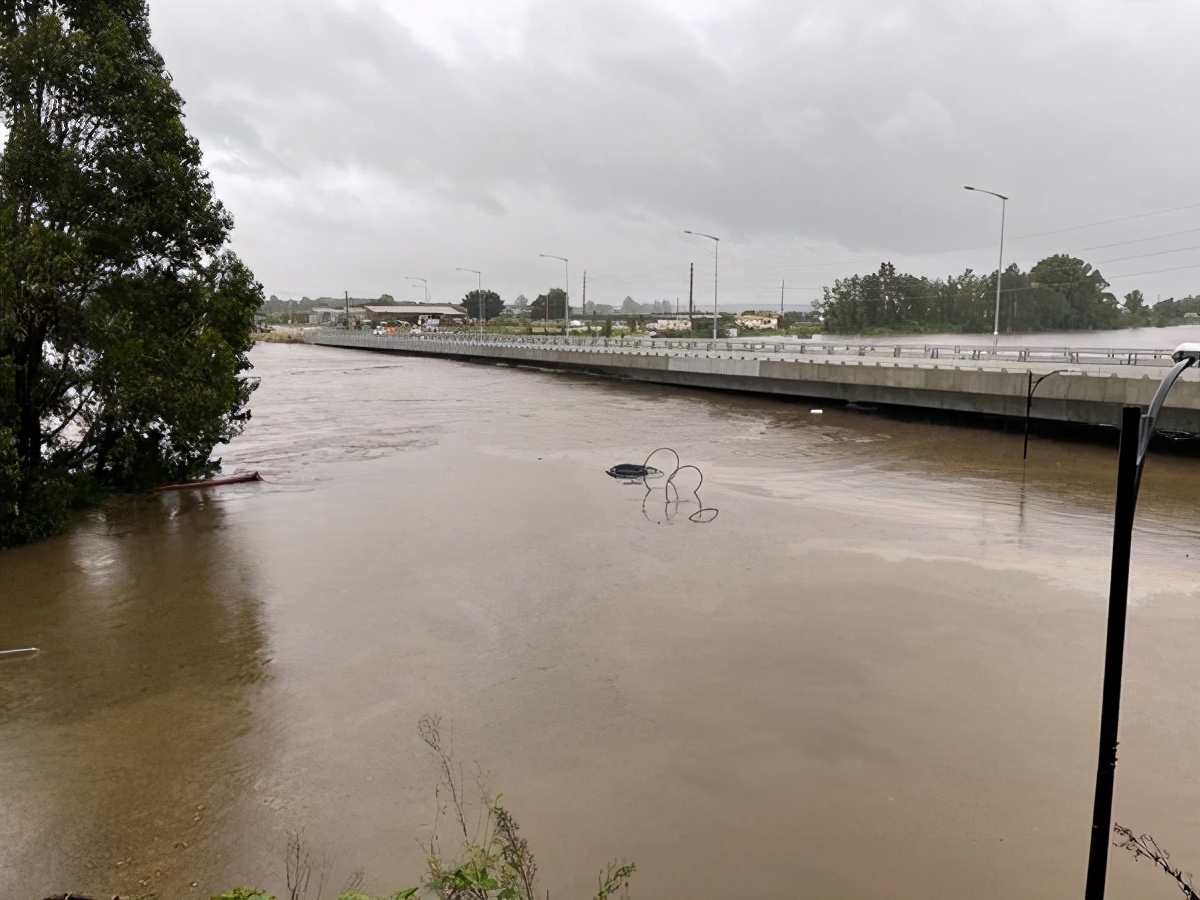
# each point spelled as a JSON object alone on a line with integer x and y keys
{"x": 449, "y": 343}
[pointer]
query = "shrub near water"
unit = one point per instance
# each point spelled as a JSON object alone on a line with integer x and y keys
{"x": 492, "y": 862}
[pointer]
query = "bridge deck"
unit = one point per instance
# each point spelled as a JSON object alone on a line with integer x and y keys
{"x": 1089, "y": 385}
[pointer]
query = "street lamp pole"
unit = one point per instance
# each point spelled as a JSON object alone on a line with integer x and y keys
{"x": 1033, "y": 386}
{"x": 1137, "y": 428}
{"x": 1000, "y": 265}
{"x": 478, "y": 295}
{"x": 423, "y": 282}
{"x": 716, "y": 262}
{"x": 566, "y": 294}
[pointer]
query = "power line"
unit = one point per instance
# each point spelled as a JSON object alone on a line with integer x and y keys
{"x": 1156, "y": 271}
{"x": 1157, "y": 212}
{"x": 1144, "y": 255}
{"x": 1140, "y": 240}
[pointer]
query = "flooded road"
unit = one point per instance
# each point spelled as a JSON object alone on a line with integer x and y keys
{"x": 875, "y": 673}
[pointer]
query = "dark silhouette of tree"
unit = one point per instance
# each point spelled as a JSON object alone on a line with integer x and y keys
{"x": 550, "y": 305}
{"x": 492, "y": 304}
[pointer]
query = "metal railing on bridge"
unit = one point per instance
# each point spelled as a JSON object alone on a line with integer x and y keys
{"x": 451, "y": 343}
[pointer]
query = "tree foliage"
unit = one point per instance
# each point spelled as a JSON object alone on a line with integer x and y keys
{"x": 1059, "y": 293}
{"x": 1175, "y": 312}
{"x": 551, "y": 305}
{"x": 124, "y": 322}
{"x": 492, "y": 304}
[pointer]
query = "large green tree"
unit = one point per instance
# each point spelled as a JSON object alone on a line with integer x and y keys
{"x": 124, "y": 320}
{"x": 550, "y": 305}
{"x": 1081, "y": 291}
{"x": 490, "y": 301}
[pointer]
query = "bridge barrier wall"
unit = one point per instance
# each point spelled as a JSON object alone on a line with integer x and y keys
{"x": 1091, "y": 397}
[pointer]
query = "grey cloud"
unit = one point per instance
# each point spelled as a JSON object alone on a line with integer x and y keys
{"x": 852, "y": 125}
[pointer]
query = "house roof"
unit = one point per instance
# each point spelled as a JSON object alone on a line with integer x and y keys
{"x": 417, "y": 309}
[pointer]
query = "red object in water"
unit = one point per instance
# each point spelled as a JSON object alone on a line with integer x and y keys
{"x": 212, "y": 482}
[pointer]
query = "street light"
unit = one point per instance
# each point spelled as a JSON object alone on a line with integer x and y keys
{"x": 423, "y": 281}
{"x": 1033, "y": 386}
{"x": 716, "y": 261}
{"x": 478, "y": 295}
{"x": 1000, "y": 267}
{"x": 566, "y": 293}
{"x": 1137, "y": 428}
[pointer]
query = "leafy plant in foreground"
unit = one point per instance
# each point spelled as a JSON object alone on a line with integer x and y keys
{"x": 492, "y": 861}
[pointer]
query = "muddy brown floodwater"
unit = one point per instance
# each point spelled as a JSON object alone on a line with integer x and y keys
{"x": 876, "y": 673}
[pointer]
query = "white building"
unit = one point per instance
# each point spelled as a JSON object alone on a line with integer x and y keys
{"x": 757, "y": 321}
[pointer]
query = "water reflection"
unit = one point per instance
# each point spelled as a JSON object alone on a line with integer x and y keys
{"x": 121, "y": 744}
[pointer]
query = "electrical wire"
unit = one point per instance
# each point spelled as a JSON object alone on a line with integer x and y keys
{"x": 1141, "y": 240}
{"x": 1157, "y": 271}
{"x": 1144, "y": 255}
{"x": 1157, "y": 212}
{"x": 673, "y": 500}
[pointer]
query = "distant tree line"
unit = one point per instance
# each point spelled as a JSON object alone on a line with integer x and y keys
{"x": 1060, "y": 293}
{"x": 281, "y": 310}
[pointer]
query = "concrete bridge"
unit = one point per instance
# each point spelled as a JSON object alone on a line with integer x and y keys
{"x": 1081, "y": 386}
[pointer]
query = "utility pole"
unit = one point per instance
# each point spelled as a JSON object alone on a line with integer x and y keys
{"x": 781, "y": 286}
{"x": 478, "y": 295}
{"x": 691, "y": 284}
{"x": 347, "y": 309}
{"x": 566, "y": 295}
{"x": 585, "y": 292}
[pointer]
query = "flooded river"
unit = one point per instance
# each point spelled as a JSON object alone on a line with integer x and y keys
{"x": 875, "y": 673}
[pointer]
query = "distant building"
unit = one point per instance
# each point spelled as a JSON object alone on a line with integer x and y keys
{"x": 416, "y": 313}
{"x": 757, "y": 321}
{"x": 332, "y": 315}
{"x": 671, "y": 325}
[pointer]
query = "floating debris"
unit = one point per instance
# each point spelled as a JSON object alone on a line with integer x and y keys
{"x": 212, "y": 482}
{"x": 633, "y": 470}
{"x": 675, "y": 494}
{"x": 18, "y": 654}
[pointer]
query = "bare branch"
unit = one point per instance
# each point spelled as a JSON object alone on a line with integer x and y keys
{"x": 298, "y": 866}
{"x": 1146, "y": 847}
{"x": 429, "y": 728}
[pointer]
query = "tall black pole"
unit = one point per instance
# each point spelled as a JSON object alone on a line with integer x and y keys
{"x": 1128, "y": 477}
{"x": 691, "y": 284}
{"x": 1028, "y": 407}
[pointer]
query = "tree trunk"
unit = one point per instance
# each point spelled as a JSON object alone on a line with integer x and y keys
{"x": 29, "y": 415}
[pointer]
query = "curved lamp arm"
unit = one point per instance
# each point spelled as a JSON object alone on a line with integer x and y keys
{"x": 1151, "y": 415}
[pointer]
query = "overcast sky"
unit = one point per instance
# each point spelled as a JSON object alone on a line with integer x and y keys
{"x": 357, "y": 142}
